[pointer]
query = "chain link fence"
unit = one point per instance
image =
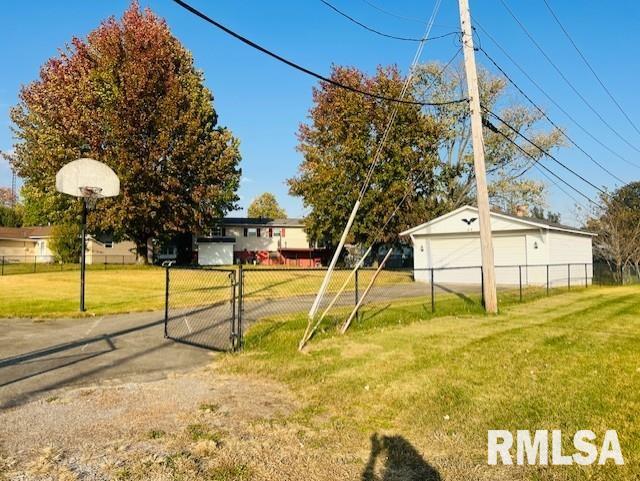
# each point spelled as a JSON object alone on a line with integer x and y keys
{"x": 25, "y": 264}
{"x": 209, "y": 306}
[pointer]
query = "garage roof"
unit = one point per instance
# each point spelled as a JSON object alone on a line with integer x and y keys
{"x": 525, "y": 221}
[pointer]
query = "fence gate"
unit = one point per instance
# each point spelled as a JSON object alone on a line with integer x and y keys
{"x": 200, "y": 307}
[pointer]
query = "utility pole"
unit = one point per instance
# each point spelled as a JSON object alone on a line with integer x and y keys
{"x": 484, "y": 214}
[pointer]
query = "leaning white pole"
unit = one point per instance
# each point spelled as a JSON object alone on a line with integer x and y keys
{"x": 334, "y": 260}
{"x": 309, "y": 334}
{"x": 347, "y": 323}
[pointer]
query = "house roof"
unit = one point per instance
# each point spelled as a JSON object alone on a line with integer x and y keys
{"x": 528, "y": 221}
{"x": 25, "y": 232}
{"x": 261, "y": 221}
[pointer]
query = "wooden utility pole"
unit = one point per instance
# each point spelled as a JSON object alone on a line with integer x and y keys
{"x": 484, "y": 214}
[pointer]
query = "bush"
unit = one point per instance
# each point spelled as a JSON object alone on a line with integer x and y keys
{"x": 65, "y": 242}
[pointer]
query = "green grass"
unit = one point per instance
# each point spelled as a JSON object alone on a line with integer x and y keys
{"x": 140, "y": 288}
{"x": 568, "y": 362}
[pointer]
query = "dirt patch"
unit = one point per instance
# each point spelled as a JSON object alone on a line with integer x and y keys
{"x": 107, "y": 432}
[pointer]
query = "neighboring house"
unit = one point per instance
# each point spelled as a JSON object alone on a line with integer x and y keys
{"x": 31, "y": 244}
{"x": 260, "y": 241}
{"x": 522, "y": 246}
{"x": 25, "y": 244}
{"x": 105, "y": 251}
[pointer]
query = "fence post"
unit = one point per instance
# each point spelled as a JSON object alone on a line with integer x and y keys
{"x": 569, "y": 277}
{"x": 547, "y": 279}
{"x": 433, "y": 291}
{"x": 234, "y": 325}
{"x": 2, "y": 272}
{"x": 35, "y": 260}
{"x": 240, "y": 304}
{"x": 122, "y": 260}
{"x": 482, "y": 286}
{"x": 166, "y": 301}
{"x": 586, "y": 278}
{"x": 357, "y": 294}
{"x": 105, "y": 262}
{"x": 520, "y": 280}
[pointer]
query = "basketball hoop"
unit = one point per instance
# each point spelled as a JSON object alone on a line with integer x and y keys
{"x": 89, "y": 180}
{"x": 91, "y": 194}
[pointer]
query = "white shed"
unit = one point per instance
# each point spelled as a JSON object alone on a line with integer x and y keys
{"x": 215, "y": 251}
{"x": 527, "y": 248}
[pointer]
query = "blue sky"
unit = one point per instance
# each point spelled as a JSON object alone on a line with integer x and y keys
{"x": 263, "y": 101}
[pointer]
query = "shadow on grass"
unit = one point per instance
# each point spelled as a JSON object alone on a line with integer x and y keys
{"x": 401, "y": 461}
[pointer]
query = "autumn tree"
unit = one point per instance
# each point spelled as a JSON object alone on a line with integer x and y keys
{"x": 130, "y": 96}
{"x": 506, "y": 163}
{"x": 338, "y": 145}
{"x": 617, "y": 224}
{"x": 66, "y": 242}
{"x": 266, "y": 206}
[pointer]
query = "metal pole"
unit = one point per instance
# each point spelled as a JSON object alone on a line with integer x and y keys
{"x": 234, "y": 326}
{"x": 433, "y": 299}
{"x": 569, "y": 277}
{"x": 35, "y": 261}
{"x": 520, "y": 280}
{"x": 240, "y": 304}
{"x": 357, "y": 294}
{"x": 586, "y": 278}
{"x": 547, "y": 279}
{"x": 482, "y": 286}
{"x": 166, "y": 301}
{"x": 2, "y": 273}
{"x": 482, "y": 195}
{"x": 82, "y": 253}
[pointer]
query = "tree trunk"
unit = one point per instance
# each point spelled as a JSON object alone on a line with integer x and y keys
{"x": 144, "y": 251}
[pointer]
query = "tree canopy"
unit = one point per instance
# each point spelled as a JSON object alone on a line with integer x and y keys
{"x": 129, "y": 96}
{"x": 427, "y": 153}
{"x": 266, "y": 206}
{"x": 338, "y": 146}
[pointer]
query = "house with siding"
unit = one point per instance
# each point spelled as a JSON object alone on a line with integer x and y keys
{"x": 25, "y": 244}
{"x": 260, "y": 241}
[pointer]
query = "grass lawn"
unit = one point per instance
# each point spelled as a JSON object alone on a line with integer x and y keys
{"x": 135, "y": 288}
{"x": 415, "y": 394}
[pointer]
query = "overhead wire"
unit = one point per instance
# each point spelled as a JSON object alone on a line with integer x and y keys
{"x": 378, "y": 32}
{"x": 564, "y": 77}
{"x": 302, "y": 69}
{"x": 551, "y": 99}
{"x": 544, "y": 151}
{"x": 588, "y": 64}
{"x": 546, "y": 116}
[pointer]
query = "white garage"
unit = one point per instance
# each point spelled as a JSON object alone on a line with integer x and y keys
{"x": 215, "y": 251}
{"x": 524, "y": 248}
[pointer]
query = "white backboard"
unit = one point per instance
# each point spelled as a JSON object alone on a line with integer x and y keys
{"x": 81, "y": 173}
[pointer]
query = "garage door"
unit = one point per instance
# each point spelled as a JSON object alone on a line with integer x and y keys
{"x": 215, "y": 254}
{"x": 465, "y": 252}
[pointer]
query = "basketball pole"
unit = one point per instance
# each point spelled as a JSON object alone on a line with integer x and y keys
{"x": 83, "y": 253}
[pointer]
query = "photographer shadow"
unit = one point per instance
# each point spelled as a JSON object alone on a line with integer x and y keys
{"x": 402, "y": 462}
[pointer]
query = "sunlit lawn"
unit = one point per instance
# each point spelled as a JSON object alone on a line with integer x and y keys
{"x": 569, "y": 362}
{"x": 133, "y": 288}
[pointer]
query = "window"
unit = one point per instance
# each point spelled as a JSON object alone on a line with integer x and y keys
{"x": 277, "y": 232}
{"x": 251, "y": 232}
{"x": 219, "y": 231}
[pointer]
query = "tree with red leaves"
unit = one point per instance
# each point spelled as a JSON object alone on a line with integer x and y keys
{"x": 129, "y": 96}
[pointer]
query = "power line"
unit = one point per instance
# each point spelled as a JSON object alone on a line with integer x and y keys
{"x": 588, "y": 64}
{"x": 564, "y": 77}
{"x": 551, "y": 99}
{"x": 305, "y": 70}
{"x": 398, "y": 16}
{"x": 544, "y": 114}
{"x": 536, "y": 162}
{"x": 378, "y": 32}
{"x": 544, "y": 152}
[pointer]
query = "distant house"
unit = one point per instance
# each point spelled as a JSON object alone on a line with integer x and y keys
{"x": 522, "y": 246}
{"x": 260, "y": 241}
{"x": 25, "y": 244}
{"x": 31, "y": 244}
